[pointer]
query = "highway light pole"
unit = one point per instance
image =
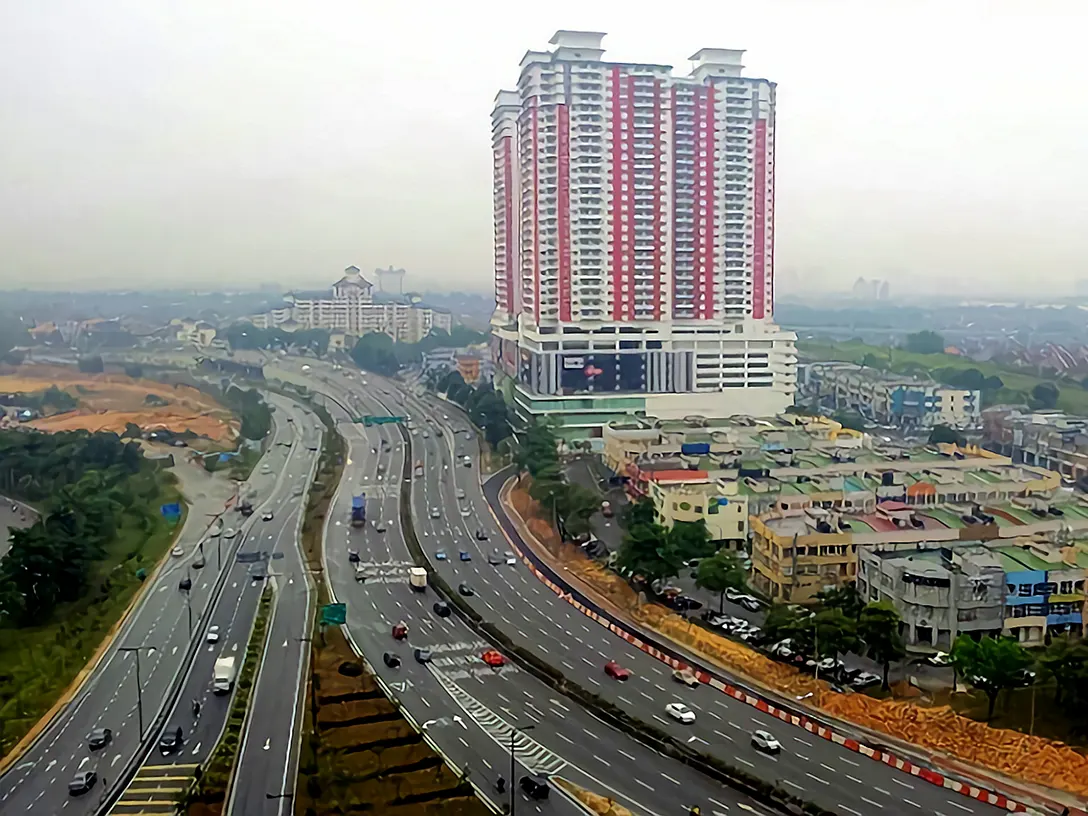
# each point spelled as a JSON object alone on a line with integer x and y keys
{"x": 139, "y": 686}
{"x": 513, "y": 733}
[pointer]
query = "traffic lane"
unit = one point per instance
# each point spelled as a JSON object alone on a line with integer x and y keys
{"x": 739, "y": 716}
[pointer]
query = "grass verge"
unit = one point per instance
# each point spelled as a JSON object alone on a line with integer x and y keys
{"x": 38, "y": 663}
{"x": 211, "y": 791}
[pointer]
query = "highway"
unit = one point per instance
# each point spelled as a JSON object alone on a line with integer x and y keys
{"x": 510, "y": 597}
{"x": 273, "y": 546}
{"x": 470, "y": 708}
{"x": 23, "y": 515}
{"x": 159, "y": 627}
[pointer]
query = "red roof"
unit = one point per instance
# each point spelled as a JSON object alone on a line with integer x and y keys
{"x": 676, "y": 475}
{"x": 893, "y": 506}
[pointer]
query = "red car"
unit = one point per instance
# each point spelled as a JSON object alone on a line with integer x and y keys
{"x": 400, "y": 631}
{"x": 616, "y": 671}
{"x": 493, "y": 658}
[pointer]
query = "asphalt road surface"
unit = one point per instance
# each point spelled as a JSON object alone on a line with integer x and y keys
{"x": 514, "y": 600}
{"x": 471, "y": 709}
{"x": 37, "y": 783}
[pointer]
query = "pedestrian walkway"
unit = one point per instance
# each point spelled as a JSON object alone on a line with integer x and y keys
{"x": 155, "y": 790}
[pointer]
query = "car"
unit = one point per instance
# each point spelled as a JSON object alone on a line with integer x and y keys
{"x": 213, "y": 634}
{"x": 765, "y": 741}
{"x": 353, "y": 556}
{"x": 379, "y": 526}
{"x": 864, "y": 679}
{"x": 464, "y": 555}
{"x": 267, "y": 516}
{"x": 495, "y": 558}
{"x": 422, "y": 655}
{"x": 481, "y": 535}
{"x": 510, "y": 560}
{"x": 391, "y": 660}
{"x": 616, "y": 671}
{"x": 171, "y": 740}
{"x": 465, "y": 589}
{"x": 493, "y": 658}
{"x": 400, "y": 631}
{"x": 178, "y": 551}
{"x": 535, "y": 787}
{"x": 230, "y": 533}
{"x": 82, "y": 782}
{"x": 460, "y": 493}
{"x": 298, "y": 491}
{"x": 466, "y": 511}
{"x": 426, "y": 435}
{"x": 436, "y": 513}
{"x": 99, "y": 738}
{"x": 199, "y": 563}
{"x": 442, "y": 609}
{"x": 680, "y": 713}
{"x": 686, "y": 676}
{"x": 939, "y": 659}
{"x": 440, "y": 555}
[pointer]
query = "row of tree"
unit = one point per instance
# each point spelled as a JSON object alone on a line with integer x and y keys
{"x": 379, "y": 353}
{"x": 252, "y": 410}
{"x": 484, "y": 405}
{"x": 86, "y": 483}
{"x": 571, "y": 505}
{"x": 246, "y": 336}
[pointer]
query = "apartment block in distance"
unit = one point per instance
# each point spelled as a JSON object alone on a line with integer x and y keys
{"x": 1050, "y": 439}
{"x": 890, "y": 399}
{"x": 349, "y": 309}
{"x": 634, "y": 239}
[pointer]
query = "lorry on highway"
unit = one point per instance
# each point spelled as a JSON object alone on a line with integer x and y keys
{"x": 358, "y": 510}
{"x": 223, "y": 675}
{"x": 417, "y": 578}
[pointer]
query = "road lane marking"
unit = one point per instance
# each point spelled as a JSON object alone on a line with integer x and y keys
{"x": 624, "y": 753}
{"x": 879, "y": 790}
{"x": 813, "y": 776}
{"x": 958, "y": 805}
{"x": 901, "y": 782}
{"x": 639, "y": 781}
{"x": 791, "y": 782}
{"x": 849, "y": 810}
{"x": 871, "y": 802}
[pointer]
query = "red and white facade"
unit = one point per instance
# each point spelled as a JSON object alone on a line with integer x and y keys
{"x": 634, "y": 215}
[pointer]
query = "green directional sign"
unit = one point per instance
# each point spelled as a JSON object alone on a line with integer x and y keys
{"x": 334, "y": 614}
{"x": 380, "y": 420}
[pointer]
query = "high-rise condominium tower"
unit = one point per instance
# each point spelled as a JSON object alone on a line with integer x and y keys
{"x": 634, "y": 239}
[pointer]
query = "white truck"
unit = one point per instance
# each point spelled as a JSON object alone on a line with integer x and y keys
{"x": 223, "y": 676}
{"x": 417, "y": 578}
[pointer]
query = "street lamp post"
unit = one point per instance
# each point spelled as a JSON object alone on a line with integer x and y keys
{"x": 513, "y": 786}
{"x": 139, "y": 685}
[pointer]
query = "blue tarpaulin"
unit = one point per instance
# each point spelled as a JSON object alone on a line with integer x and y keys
{"x": 171, "y": 512}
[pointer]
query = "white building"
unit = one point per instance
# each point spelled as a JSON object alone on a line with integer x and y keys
{"x": 349, "y": 309}
{"x": 634, "y": 238}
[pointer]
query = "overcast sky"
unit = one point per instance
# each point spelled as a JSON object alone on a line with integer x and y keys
{"x": 160, "y": 142}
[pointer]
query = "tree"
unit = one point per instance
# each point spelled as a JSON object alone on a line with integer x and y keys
{"x": 878, "y": 628}
{"x": 576, "y": 507}
{"x": 828, "y": 633}
{"x": 691, "y": 540}
{"x": 944, "y": 435}
{"x": 1044, "y": 396}
{"x": 91, "y": 365}
{"x": 781, "y": 621}
{"x": 924, "y": 342}
{"x": 134, "y": 370}
{"x": 870, "y": 360}
{"x": 845, "y": 598}
{"x": 850, "y": 419}
{"x": 1066, "y": 660}
{"x": 991, "y": 664}
{"x": 374, "y": 352}
{"x": 646, "y": 552}
{"x": 720, "y": 572}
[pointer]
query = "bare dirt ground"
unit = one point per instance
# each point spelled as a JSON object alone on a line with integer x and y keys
{"x": 108, "y": 402}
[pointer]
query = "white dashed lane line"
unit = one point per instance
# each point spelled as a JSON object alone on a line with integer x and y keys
{"x": 901, "y": 782}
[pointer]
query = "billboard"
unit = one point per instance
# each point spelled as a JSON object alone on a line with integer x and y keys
{"x": 602, "y": 372}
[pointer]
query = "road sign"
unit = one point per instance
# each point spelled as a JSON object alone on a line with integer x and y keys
{"x": 380, "y": 420}
{"x": 334, "y": 614}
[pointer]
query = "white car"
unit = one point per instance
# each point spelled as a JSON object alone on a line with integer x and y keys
{"x": 213, "y": 634}
{"x": 230, "y": 532}
{"x": 460, "y": 493}
{"x": 435, "y": 513}
{"x": 267, "y": 516}
{"x": 680, "y": 713}
{"x": 764, "y": 741}
{"x": 510, "y": 560}
{"x": 178, "y": 551}
{"x": 939, "y": 659}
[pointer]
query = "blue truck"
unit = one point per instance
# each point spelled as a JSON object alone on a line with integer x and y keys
{"x": 358, "y": 511}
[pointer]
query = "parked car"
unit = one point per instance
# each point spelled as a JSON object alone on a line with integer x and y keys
{"x": 764, "y": 741}
{"x": 864, "y": 679}
{"x": 680, "y": 713}
{"x": 616, "y": 671}
{"x": 939, "y": 659}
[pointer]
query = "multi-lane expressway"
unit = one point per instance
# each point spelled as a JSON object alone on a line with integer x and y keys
{"x": 157, "y": 634}
{"x": 532, "y": 616}
{"x": 470, "y": 710}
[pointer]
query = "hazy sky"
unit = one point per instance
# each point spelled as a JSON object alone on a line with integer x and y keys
{"x": 155, "y": 142}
